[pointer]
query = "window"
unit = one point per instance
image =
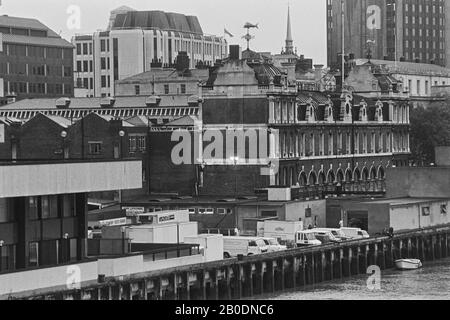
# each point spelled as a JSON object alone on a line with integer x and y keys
{"x": 166, "y": 89}
{"x": 209, "y": 211}
{"x": 191, "y": 211}
{"x": 137, "y": 143}
{"x": 7, "y": 258}
{"x": 103, "y": 63}
{"x": 137, "y": 90}
{"x": 425, "y": 211}
{"x": 78, "y": 48}
{"x": 5, "y": 211}
{"x": 103, "y": 81}
{"x": 49, "y": 207}
{"x": 102, "y": 45}
{"x": 221, "y": 211}
{"x": 33, "y": 254}
{"x": 69, "y": 206}
{"x": 33, "y": 211}
{"x": 95, "y": 148}
{"x": 444, "y": 209}
{"x": 183, "y": 88}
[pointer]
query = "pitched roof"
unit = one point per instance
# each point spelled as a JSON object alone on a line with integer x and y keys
{"x": 94, "y": 103}
{"x": 19, "y": 22}
{"x": 39, "y": 41}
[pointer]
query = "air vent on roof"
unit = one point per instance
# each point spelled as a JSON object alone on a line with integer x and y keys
{"x": 152, "y": 101}
{"x": 107, "y": 102}
{"x": 63, "y": 103}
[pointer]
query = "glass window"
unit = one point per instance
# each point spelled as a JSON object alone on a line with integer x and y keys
{"x": 33, "y": 255}
{"x": 5, "y": 211}
{"x": 33, "y": 211}
{"x": 69, "y": 206}
{"x": 73, "y": 249}
{"x": 49, "y": 207}
{"x": 7, "y": 258}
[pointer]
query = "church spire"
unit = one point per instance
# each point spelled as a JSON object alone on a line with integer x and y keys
{"x": 289, "y": 40}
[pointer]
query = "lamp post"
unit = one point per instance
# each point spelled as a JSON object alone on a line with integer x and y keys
{"x": 121, "y": 135}
{"x": 65, "y": 154}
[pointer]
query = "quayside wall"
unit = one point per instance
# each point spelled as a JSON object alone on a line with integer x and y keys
{"x": 266, "y": 274}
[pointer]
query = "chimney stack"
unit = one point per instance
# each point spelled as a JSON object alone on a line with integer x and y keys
{"x": 235, "y": 52}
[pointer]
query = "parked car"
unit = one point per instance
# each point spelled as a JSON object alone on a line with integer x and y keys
{"x": 246, "y": 246}
{"x": 355, "y": 233}
{"x": 273, "y": 245}
{"x": 330, "y": 237}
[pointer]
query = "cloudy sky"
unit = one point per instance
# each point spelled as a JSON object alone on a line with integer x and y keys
{"x": 308, "y": 18}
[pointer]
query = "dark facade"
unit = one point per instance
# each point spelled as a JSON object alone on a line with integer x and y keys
{"x": 405, "y": 30}
{"x": 34, "y": 61}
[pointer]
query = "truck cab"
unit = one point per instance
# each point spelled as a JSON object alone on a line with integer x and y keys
{"x": 337, "y": 233}
{"x": 307, "y": 238}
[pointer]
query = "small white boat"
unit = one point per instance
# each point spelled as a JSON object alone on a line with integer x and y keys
{"x": 408, "y": 264}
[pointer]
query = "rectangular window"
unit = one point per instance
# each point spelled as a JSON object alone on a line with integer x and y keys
{"x": 137, "y": 90}
{"x": 166, "y": 89}
{"x": 33, "y": 208}
{"x": 95, "y": 148}
{"x": 183, "y": 88}
{"x": 7, "y": 258}
{"x": 33, "y": 254}
{"x": 102, "y": 45}
{"x": 49, "y": 207}
{"x": 5, "y": 210}
{"x": 103, "y": 63}
{"x": 221, "y": 211}
{"x": 103, "y": 81}
{"x": 444, "y": 209}
{"x": 425, "y": 211}
{"x": 69, "y": 206}
{"x": 78, "y": 48}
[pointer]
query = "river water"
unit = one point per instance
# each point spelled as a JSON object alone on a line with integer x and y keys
{"x": 432, "y": 282}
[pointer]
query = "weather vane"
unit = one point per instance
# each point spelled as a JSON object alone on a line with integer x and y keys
{"x": 248, "y": 36}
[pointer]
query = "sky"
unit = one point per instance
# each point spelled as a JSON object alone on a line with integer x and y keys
{"x": 308, "y": 19}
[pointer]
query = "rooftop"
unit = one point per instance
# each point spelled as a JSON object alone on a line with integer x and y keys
{"x": 408, "y": 67}
{"x": 157, "y": 20}
{"x": 94, "y": 103}
{"x": 26, "y": 23}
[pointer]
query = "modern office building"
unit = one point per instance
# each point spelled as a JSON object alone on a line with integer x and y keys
{"x": 43, "y": 210}
{"x": 35, "y": 62}
{"x": 407, "y": 30}
{"x": 136, "y": 42}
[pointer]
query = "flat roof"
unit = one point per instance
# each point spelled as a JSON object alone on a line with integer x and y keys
{"x": 406, "y": 201}
{"x": 52, "y": 178}
{"x": 202, "y": 200}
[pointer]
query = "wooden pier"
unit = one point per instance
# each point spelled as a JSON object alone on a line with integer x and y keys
{"x": 270, "y": 273}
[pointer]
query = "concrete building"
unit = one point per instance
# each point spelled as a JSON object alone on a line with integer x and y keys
{"x": 401, "y": 30}
{"x": 43, "y": 209}
{"x": 35, "y": 62}
{"x": 137, "y": 42}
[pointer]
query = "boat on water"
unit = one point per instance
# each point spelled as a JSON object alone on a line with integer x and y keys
{"x": 408, "y": 264}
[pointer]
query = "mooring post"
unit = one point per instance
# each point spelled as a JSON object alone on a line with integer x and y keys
{"x": 304, "y": 275}
{"x": 445, "y": 249}
{"x": 422, "y": 248}
{"x": 272, "y": 274}
{"x": 409, "y": 248}
{"x": 313, "y": 269}
{"x": 375, "y": 254}
{"x": 350, "y": 257}
{"x": 383, "y": 259}
{"x": 433, "y": 257}
{"x": 204, "y": 284}
{"x": 341, "y": 260}
{"x": 358, "y": 255}
{"x": 188, "y": 287}
{"x": 332, "y": 257}
{"x": 438, "y": 246}
{"x": 295, "y": 265}
{"x": 283, "y": 270}
{"x": 240, "y": 279}
{"x": 263, "y": 269}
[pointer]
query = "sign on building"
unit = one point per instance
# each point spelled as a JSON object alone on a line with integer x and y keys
{"x": 133, "y": 211}
{"x": 113, "y": 222}
{"x": 2, "y": 133}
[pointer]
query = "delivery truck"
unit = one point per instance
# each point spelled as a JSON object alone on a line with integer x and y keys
{"x": 284, "y": 231}
{"x": 246, "y": 246}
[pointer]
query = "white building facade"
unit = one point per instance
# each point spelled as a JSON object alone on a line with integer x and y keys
{"x": 108, "y": 56}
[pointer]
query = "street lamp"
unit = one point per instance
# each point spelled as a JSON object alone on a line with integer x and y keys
{"x": 64, "y": 136}
{"x": 121, "y": 135}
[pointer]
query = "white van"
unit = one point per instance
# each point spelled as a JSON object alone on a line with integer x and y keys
{"x": 273, "y": 245}
{"x": 246, "y": 246}
{"x": 325, "y": 236}
{"x": 306, "y": 238}
{"x": 355, "y": 233}
{"x": 337, "y": 233}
